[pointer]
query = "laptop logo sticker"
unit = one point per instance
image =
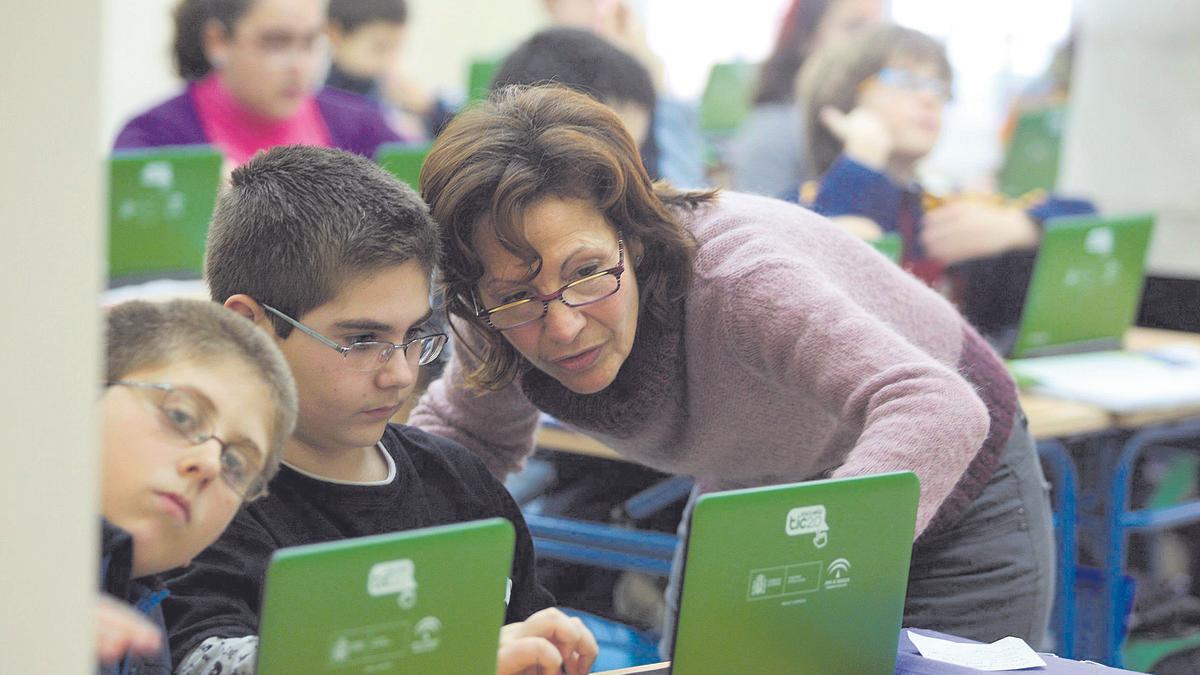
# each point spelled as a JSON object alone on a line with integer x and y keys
{"x": 425, "y": 635}
{"x": 396, "y": 577}
{"x": 1099, "y": 241}
{"x": 837, "y": 575}
{"x": 804, "y": 520}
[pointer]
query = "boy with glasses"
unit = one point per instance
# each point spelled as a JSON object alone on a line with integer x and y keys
{"x": 332, "y": 257}
{"x": 195, "y": 409}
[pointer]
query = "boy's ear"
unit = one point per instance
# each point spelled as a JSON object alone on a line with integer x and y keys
{"x": 249, "y": 308}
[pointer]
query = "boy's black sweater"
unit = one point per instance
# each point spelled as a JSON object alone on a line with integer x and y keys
{"x": 437, "y": 482}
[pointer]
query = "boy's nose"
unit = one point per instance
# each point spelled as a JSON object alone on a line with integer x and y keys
{"x": 202, "y": 460}
{"x": 400, "y": 369}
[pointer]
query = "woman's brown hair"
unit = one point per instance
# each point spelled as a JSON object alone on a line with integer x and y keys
{"x": 496, "y": 161}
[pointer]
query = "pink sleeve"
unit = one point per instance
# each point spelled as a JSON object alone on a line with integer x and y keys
{"x": 915, "y": 413}
{"x": 497, "y": 426}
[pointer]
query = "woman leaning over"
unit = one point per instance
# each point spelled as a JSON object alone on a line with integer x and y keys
{"x": 737, "y": 339}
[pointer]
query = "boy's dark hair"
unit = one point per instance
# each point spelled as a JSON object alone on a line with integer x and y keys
{"x": 141, "y": 335}
{"x": 582, "y": 61}
{"x": 190, "y": 19}
{"x": 349, "y": 15}
{"x": 298, "y": 223}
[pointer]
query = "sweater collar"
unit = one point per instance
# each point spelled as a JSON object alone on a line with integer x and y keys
{"x": 650, "y": 375}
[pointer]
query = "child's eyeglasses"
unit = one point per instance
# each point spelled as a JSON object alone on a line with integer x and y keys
{"x": 190, "y": 414}
{"x": 907, "y": 80}
{"x": 370, "y": 355}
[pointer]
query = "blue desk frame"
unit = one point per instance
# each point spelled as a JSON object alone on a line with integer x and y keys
{"x": 1119, "y": 454}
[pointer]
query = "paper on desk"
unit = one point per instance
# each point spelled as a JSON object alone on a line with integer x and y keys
{"x": 1121, "y": 382}
{"x": 1010, "y": 653}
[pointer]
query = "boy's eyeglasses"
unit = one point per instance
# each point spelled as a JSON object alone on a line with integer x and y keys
{"x": 191, "y": 415}
{"x": 914, "y": 82}
{"x": 591, "y": 288}
{"x": 368, "y": 356}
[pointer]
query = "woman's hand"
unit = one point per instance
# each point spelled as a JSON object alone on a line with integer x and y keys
{"x": 547, "y": 642}
{"x": 965, "y": 229}
{"x": 864, "y": 137}
{"x": 120, "y": 629}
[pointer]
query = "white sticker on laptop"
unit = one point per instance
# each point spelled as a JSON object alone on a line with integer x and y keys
{"x": 808, "y": 520}
{"x": 398, "y": 577}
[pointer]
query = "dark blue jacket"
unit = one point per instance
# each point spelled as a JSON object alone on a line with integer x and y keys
{"x": 146, "y": 594}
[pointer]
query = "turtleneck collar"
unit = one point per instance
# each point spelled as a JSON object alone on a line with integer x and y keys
{"x": 240, "y": 132}
{"x": 653, "y": 371}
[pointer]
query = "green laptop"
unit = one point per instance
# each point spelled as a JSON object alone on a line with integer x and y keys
{"x": 1086, "y": 285}
{"x": 727, "y": 97}
{"x": 801, "y": 578}
{"x": 1031, "y": 162}
{"x": 160, "y": 203}
{"x": 403, "y": 160}
{"x": 479, "y": 77}
{"x": 420, "y": 601}
{"x": 891, "y": 245}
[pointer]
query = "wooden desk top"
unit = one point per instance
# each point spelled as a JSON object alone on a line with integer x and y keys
{"x": 565, "y": 440}
{"x": 1056, "y": 418}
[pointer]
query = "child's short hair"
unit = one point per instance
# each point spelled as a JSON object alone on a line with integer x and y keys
{"x": 582, "y": 61}
{"x": 833, "y": 77}
{"x": 349, "y": 15}
{"x": 141, "y": 334}
{"x": 297, "y": 223}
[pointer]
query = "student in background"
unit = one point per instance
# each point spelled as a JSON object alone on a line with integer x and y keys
{"x": 733, "y": 338}
{"x": 367, "y": 39}
{"x": 195, "y": 409}
{"x": 251, "y": 68}
{"x": 590, "y": 64}
{"x": 332, "y": 257}
{"x": 874, "y": 110}
{"x": 674, "y": 124}
{"x": 769, "y": 153}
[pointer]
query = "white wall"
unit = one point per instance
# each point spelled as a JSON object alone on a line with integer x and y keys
{"x": 50, "y": 270}
{"x": 137, "y": 70}
{"x": 1134, "y": 135}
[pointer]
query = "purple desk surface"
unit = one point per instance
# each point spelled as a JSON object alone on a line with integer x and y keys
{"x": 910, "y": 662}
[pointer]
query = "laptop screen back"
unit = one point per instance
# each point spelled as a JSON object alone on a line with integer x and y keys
{"x": 160, "y": 204}
{"x": 1086, "y": 285}
{"x": 801, "y": 578}
{"x": 403, "y": 161}
{"x": 421, "y": 601}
